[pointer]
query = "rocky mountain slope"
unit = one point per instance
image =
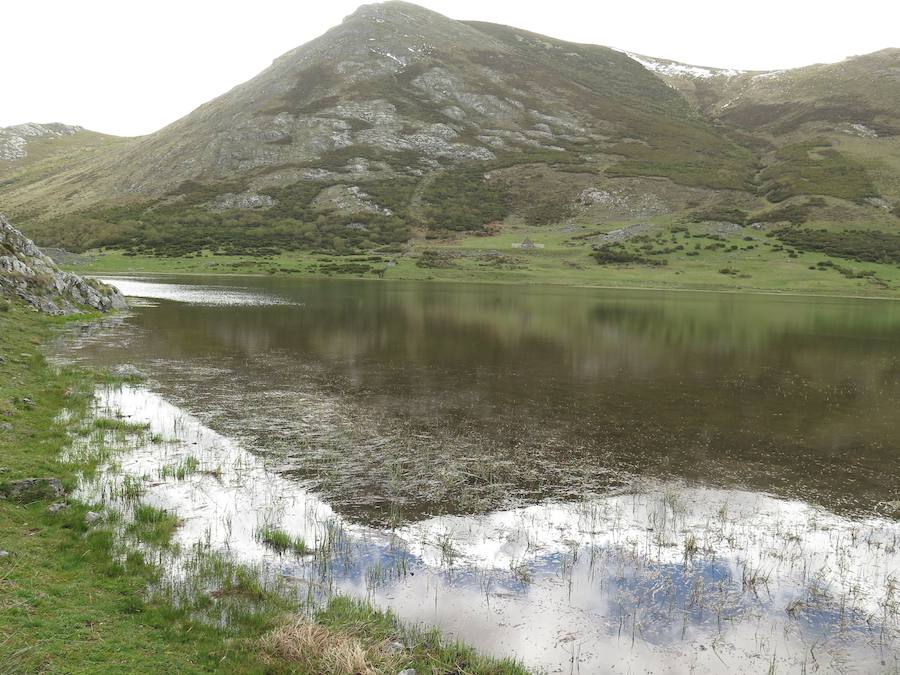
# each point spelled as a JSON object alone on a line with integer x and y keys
{"x": 14, "y": 141}
{"x": 400, "y": 121}
{"x": 28, "y": 275}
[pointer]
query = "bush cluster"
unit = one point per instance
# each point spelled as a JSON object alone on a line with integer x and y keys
{"x": 462, "y": 199}
{"x": 859, "y": 245}
{"x": 615, "y": 254}
{"x": 818, "y": 169}
{"x": 183, "y": 224}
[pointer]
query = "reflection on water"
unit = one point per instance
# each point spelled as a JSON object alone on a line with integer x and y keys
{"x": 595, "y": 481}
{"x": 661, "y": 576}
{"x": 189, "y": 293}
{"x": 361, "y": 389}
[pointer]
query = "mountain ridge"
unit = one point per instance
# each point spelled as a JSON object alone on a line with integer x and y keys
{"x": 400, "y": 119}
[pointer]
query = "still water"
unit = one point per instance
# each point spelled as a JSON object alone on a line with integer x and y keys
{"x": 591, "y": 480}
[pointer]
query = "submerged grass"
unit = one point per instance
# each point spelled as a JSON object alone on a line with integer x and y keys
{"x": 109, "y": 424}
{"x": 152, "y": 525}
{"x": 80, "y": 594}
{"x": 181, "y": 471}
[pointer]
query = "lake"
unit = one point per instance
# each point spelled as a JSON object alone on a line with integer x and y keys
{"x": 591, "y": 480}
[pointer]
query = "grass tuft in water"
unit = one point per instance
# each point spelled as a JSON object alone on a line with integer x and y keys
{"x": 153, "y": 526}
{"x": 120, "y": 425}
{"x": 188, "y": 467}
{"x": 282, "y": 542}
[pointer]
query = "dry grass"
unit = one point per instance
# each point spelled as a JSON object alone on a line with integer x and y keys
{"x": 319, "y": 649}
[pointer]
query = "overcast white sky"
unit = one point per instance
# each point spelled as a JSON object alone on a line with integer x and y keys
{"x": 130, "y": 67}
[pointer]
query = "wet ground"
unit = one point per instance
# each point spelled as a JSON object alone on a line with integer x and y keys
{"x": 595, "y": 481}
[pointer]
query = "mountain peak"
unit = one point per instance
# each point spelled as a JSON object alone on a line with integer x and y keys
{"x": 394, "y": 10}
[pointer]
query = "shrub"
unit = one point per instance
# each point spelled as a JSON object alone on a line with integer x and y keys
{"x": 434, "y": 259}
{"x": 720, "y": 214}
{"x": 613, "y": 254}
{"x": 796, "y": 214}
{"x": 859, "y": 245}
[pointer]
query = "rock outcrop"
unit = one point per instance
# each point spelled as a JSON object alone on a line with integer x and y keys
{"x": 29, "y": 275}
{"x": 14, "y": 140}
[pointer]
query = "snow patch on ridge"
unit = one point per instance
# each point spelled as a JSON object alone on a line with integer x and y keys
{"x": 674, "y": 69}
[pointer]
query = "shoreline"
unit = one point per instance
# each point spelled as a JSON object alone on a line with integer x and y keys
{"x": 87, "y": 573}
{"x": 491, "y": 282}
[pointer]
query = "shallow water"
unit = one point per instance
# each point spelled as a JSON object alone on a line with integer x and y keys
{"x": 595, "y": 481}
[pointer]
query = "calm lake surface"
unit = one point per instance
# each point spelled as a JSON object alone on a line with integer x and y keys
{"x": 593, "y": 480}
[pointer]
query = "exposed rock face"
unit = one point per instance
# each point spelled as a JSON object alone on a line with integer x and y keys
{"x": 243, "y": 200}
{"x": 350, "y": 199}
{"x": 26, "y": 273}
{"x": 622, "y": 201}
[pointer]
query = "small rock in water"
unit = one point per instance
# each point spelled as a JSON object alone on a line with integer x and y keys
{"x": 127, "y": 370}
{"x": 57, "y": 507}
{"x": 92, "y": 517}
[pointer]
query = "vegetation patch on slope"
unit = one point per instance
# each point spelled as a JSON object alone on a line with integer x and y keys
{"x": 463, "y": 199}
{"x": 187, "y": 226}
{"x": 814, "y": 168}
{"x": 860, "y": 245}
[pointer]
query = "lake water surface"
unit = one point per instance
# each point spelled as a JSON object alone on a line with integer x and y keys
{"x": 592, "y": 480}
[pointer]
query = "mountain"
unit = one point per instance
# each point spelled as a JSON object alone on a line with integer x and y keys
{"x": 400, "y": 121}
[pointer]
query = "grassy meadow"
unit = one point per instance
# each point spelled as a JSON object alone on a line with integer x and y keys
{"x": 660, "y": 254}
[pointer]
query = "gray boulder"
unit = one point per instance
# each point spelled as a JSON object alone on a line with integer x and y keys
{"x": 29, "y": 490}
